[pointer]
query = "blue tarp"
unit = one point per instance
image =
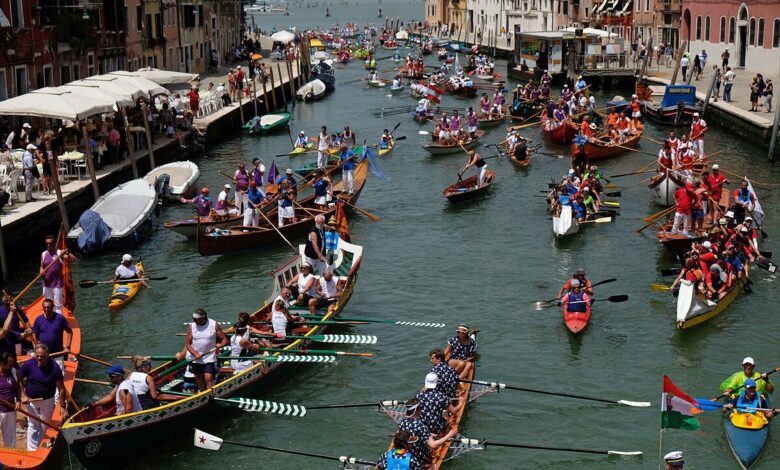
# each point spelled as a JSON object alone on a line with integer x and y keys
{"x": 94, "y": 232}
{"x": 679, "y": 93}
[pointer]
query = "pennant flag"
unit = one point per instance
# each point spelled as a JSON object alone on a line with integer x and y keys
{"x": 68, "y": 292}
{"x": 431, "y": 93}
{"x": 758, "y": 212}
{"x": 207, "y": 441}
{"x": 341, "y": 221}
{"x": 678, "y": 409}
{"x": 273, "y": 172}
{"x": 373, "y": 164}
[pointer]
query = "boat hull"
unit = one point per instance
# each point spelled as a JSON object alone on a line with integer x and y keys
{"x": 466, "y": 189}
{"x": 189, "y": 227}
{"x": 598, "y": 151}
{"x": 747, "y": 445}
{"x": 663, "y": 186}
{"x": 124, "y": 293}
{"x": 565, "y": 224}
{"x": 669, "y": 115}
{"x": 576, "y": 321}
{"x": 563, "y": 134}
{"x": 490, "y": 123}
{"x": 693, "y": 310}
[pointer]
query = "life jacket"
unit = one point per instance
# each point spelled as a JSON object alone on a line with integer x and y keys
{"x": 579, "y": 306}
{"x": 743, "y": 402}
{"x": 398, "y": 459}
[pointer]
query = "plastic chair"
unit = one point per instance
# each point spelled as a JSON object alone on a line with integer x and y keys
{"x": 13, "y": 185}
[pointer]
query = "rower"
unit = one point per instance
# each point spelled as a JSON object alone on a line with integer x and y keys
{"x": 455, "y": 126}
{"x": 433, "y": 403}
{"x": 386, "y": 140}
{"x": 242, "y": 346}
{"x": 579, "y": 276}
{"x": 448, "y": 377}
{"x": 286, "y": 209}
{"x": 302, "y": 284}
{"x": 204, "y": 337}
{"x": 322, "y": 189}
{"x": 749, "y": 399}
{"x": 739, "y": 379}
{"x": 349, "y": 137}
{"x": 241, "y": 178}
{"x": 128, "y": 270}
{"x": 484, "y": 104}
{"x": 521, "y": 153}
{"x": 591, "y": 200}
{"x": 254, "y": 200}
{"x": 673, "y": 141}
{"x": 472, "y": 122}
{"x": 10, "y": 391}
{"x": 144, "y": 386}
{"x": 461, "y": 350}
{"x": 718, "y": 280}
{"x": 576, "y": 300}
{"x": 715, "y": 181}
{"x": 580, "y": 158}
{"x": 224, "y": 206}
{"x": 665, "y": 157}
{"x": 202, "y": 202}
{"x": 54, "y": 331}
{"x": 41, "y": 378}
{"x": 744, "y": 201}
{"x": 123, "y": 394}
{"x": 622, "y": 127}
{"x": 258, "y": 173}
{"x": 347, "y": 157}
{"x": 684, "y": 202}
{"x": 302, "y": 141}
{"x": 323, "y": 145}
{"x": 585, "y": 128}
{"x": 51, "y": 269}
{"x": 281, "y": 316}
{"x": 673, "y": 460}
{"x": 422, "y": 441}
{"x": 580, "y": 85}
{"x": 636, "y": 112}
{"x": 400, "y": 455}
{"x": 314, "y": 251}
{"x": 476, "y": 160}
{"x": 698, "y": 128}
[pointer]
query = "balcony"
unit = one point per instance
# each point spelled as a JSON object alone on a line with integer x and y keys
{"x": 669, "y": 6}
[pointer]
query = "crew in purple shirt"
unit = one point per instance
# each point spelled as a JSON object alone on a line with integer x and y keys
{"x": 50, "y": 328}
{"x": 41, "y": 378}
{"x": 9, "y": 393}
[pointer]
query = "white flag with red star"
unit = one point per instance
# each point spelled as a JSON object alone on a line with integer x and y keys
{"x": 207, "y": 441}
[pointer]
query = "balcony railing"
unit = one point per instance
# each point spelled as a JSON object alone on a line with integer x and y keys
{"x": 669, "y": 6}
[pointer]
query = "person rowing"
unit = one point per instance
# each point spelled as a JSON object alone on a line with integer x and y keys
{"x": 448, "y": 380}
{"x": 434, "y": 403}
{"x": 461, "y": 350}
{"x": 144, "y": 386}
{"x": 123, "y": 395}
{"x": 521, "y": 153}
{"x": 576, "y": 300}
{"x": 591, "y": 200}
{"x": 477, "y": 161}
{"x": 423, "y": 441}
{"x": 579, "y": 276}
{"x": 749, "y": 400}
{"x": 386, "y": 141}
{"x": 204, "y": 337}
{"x": 242, "y": 346}
{"x": 400, "y": 456}
{"x": 127, "y": 270}
{"x": 202, "y": 202}
{"x": 739, "y": 379}
{"x": 302, "y": 141}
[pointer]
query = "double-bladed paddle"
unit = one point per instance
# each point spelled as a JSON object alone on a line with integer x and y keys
{"x": 556, "y": 299}
{"x": 613, "y": 298}
{"x": 87, "y": 283}
{"x": 723, "y": 395}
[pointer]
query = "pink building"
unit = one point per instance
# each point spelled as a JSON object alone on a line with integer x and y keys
{"x": 750, "y": 31}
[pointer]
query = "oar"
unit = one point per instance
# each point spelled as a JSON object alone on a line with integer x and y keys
{"x": 312, "y": 150}
{"x": 30, "y": 415}
{"x": 660, "y": 287}
{"x": 659, "y": 214}
{"x": 282, "y": 358}
{"x": 324, "y": 352}
{"x": 95, "y": 360}
{"x": 499, "y": 385}
{"x": 710, "y": 405}
{"x": 389, "y": 322}
{"x": 605, "y": 281}
{"x": 96, "y": 382}
{"x": 87, "y": 283}
{"x": 336, "y": 339}
{"x": 486, "y": 443}
{"x": 633, "y": 173}
{"x": 362, "y": 211}
{"x": 610, "y": 203}
{"x": 613, "y": 298}
{"x": 554, "y": 302}
{"x": 602, "y": 220}
{"x": 209, "y": 442}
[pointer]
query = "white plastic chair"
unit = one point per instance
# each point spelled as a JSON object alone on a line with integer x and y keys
{"x": 13, "y": 185}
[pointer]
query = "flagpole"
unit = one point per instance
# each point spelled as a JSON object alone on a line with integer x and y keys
{"x": 660, "y": 447}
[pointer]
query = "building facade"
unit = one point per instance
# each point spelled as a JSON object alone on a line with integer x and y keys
{"x": 750, "y": 31}
{"x": 572, "y": 13}
{"x": 436, "y": 12}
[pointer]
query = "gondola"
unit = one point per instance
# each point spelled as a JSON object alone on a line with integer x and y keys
{"x": 598, "y": 149}
{"x": 467, "y": 189}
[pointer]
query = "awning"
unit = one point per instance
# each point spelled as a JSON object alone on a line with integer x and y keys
{"x": 114, "y": 84}
{"x": 55, "y": 103}
{"x": 90, "y": 90}
{"x": 145, "y": 84}
{"x": 162, "y": 77}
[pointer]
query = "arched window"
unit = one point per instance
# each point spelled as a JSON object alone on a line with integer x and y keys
{"x": 698, "y": 28}
{"x": 760, "y": 32}
{"x": 732, "y": 28}
{"x": 752, "y": 32}
{"x": 707, "y": 28}
{"x": 776, "y": 34}
{"x": 722, "y": 29}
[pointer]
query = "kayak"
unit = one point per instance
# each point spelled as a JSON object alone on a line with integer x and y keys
{"x": 576, "y": 321}
{"x": 124, "y": 293}
{"x": 300, "y": 150}
{"x": 385, "y": 151}
{"x": 747, "y": 434}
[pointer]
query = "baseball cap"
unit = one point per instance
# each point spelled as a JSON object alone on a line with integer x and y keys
{"x": 27, "y": 125}
{"x": 31, "y": 147}
{"x": 715, "y": 166}
{"x": 204, "y": 190}
{"x": 227, "y": 186}
{"x": 748, "y": 383}
{"x": 431, "y": 380}
{"x": 289, "y": 171}
{"x": 115, "y": 369}
{"x": 127, "y": 257}
{"x": 748, "y": 360}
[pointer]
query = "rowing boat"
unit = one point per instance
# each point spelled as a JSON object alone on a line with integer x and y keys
{"x": 521, "y": 163}
{"x": 694, "y": 309}
{"x": 486, "y": 123}
{"x": 188, "y": 227}
{"x": 565, "y": 223}
{"x": 663, "y": 185}
{"x": 397, "y": 89}
{"x": 560, "y": 133}
{"x": 244, "y": 238}
{"x": 438, "y": 149}
{"x": 385, "y": 151}
{"x": 123, "y": 293}
{"x": 300, "y": 150}
{"x": 422, "y": 119}
{"x": 99, "y": 439}
{"x": 468, "y": 189}
{"x": 19, "y": 456}
{"x": 747, "y": 435}
{"x": 576, "y": 321}
{"x": 378, "y": 83}
{"x": 598, "y": 149}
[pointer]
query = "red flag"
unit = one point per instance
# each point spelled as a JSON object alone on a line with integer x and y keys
{"x": 341, "y": 222}
{"x": 68, "y": 292}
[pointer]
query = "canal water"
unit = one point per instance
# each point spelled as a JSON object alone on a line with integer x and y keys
{"x": 482, "y": 263}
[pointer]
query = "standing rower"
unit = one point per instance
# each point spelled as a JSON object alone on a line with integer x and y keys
{"x": 698, "y": 128}
{"x": 315, "y": 245}
{"x": 204, "y": 340}
{"x": 323, "y": 145}
{"x": 53, "y": 281}
{"x": 202, "y": 202}
{"x": 476, "y": 160}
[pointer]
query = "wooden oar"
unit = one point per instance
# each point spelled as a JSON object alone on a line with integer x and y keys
{"x": 274, "y": 227}
{"x": 634, "y": 173}
{"x": 93, "y": 359}
{"x": 641, "y": 229}
{"x": 324, "y": 352}
{"x": 87, "y": 283}
{"x": 30, "y": 415}
{"x": 498, "y": 385}
{"x": 281, "y": 358}
{"x": 653, "y": 217}
{"x": 486, "y": 443}
{"x": 210, "y": 442}
{"x": 389, "y": 322}
{"x": 96, "y": 382}
{"x": 362, "y": 211}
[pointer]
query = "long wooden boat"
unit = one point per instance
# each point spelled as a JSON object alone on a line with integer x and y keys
{"x": 188, "y": 227}
{"x": 562, "y": 134}
{"x": 678, "y": 243}
{"x": 19, "y": 456}
{"x": 123, "y": 293}
{"x": 241, "y": 238}
{"x": 467, "y": 189}
{"x": 487, "y": 123}
{"x": 565, "y": 223}
{"x": 747, "y": 435}
{"x": 437, "y": 149}
{"x": 576, "y": 321}
{"x": 694, "y": 309}
{"x": 663, "y": 185}
{"x": 598, "y": 149}
{"x": 99, "y": 439}
{"x": 464, "y": 390}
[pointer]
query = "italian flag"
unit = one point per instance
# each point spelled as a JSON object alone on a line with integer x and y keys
{"x": 677, "y": 408}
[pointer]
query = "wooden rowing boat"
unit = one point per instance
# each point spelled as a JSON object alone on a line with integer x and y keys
{"x": 467, "y": 189}
{"x": 438, "y": 149}
{"x": 694, "y": 309}
{"x": 598, "y": 149}
{"x": 19, "y": 456}
{"x": 125, "y": 292}
{"x": 188, "y": 227}
{"x": 663, "y": 185}
{"x": 99, "y": 439}
{"x": 242, "y": 238}
{"x": 378, "y": 83}
{"x": 520, "y": 163}
{"x": 464, "y": 390}
{"x": 576, "y": 321}
{"x": 487, "y": 123}
{"x": 747, "y": 435}
{"x": 560, "y": 133}
{"x": 565, "y": 223}
{"x": 422, "y": 120}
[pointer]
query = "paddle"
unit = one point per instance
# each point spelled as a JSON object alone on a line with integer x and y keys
{"x": 95, "y": 360}
{"x": 485, "y": 443}
{"x": 777, "y": 369}
{"x": 87, "y": 283}
{"x": 710, "y": 405}
{"x": 555, "y": 302}
{"x": 660, "y": 287}
{"x": 602, "y": 220}
{"x": 324, "y": 352}
{"x": 312, "y": 150}
{"x": 498, "y": 385}
{"x": 389, "y": 322}
{"x": 209, "y": 442}
{"x": 605, "y": 281}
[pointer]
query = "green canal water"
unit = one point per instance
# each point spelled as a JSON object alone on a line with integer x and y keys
{"x": 482, "y": 263}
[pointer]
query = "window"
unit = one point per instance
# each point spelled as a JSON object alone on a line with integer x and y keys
{"x": 3, "y": 86}
{"x": 17, "y": 13}
{"x": 139, "y": 18}
{"x": 761, "y": 32}
{"x": 752, "y": 32}
{"x": 76, "y": 72}
{"x": 722, "y": 29}
{"x": 775, "y": 35}
{"x": 732, "y": 27}
{"x": 48, "y": 76}
{"x": 647, "y": 5}
{"x": 638, "y": 6}
{"x": 565, "y": 7}
{"x": 707, "y": 28}
{"x": 698, "y": 28}
{"x": 65, "y": 74}
{"x": 90, "y": 64}
{"x": 158, "y": 26}
{"x": 188, "y": 16}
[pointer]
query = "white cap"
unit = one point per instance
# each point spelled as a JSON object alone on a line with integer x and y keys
{"x": 27, "y": 125}
{"x": 227, "y": 186}
{"x": 31, "y": 147}
{"x": 748, "y": 360}
{"x": 571, "y": 171}
{"x": 695, "y": 114}
{"x": 707, "y": 244}
{"x": 716, "y": 167}
{"x": 730, "y": 214}
{"x": 673, "y": 455}
{"x": 431, "y": 380}
{"x": 575, "y": 283}
{"x": 127, "y": 257}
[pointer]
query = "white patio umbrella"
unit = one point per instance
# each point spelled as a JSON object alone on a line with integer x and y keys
{"x": 164, "y": 77}
{"x": 283, "y": 36}
{"x": 55, "y": 103}
{"x": 89, "y": 90}
{"x": 145, "y": 84}
{"x": 115, "y": 84}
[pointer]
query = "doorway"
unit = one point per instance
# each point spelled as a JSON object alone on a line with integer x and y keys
{"x": 742, "y": 50}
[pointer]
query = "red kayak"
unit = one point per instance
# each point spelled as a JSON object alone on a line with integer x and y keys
{"x": 576, "y": 321}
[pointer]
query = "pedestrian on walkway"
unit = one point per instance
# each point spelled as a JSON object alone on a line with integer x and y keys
{"x": 696, "y": 66}
{"x": 28, "y": 163}
{"x": 716, "y": 85}
{"x": 668, "y": 54}
{"x": 754, "y": 94}
{"x": 725, "y": 60}
{"x": 684, "y": 63}
{"x": 761, "y": 87}
{"x": 703, "y": 58}
{"x": 768, "y": 95}
{"x": 727, "y": 84}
